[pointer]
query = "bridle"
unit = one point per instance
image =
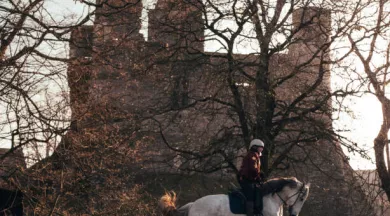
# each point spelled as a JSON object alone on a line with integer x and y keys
{"x": 300, "y": 191}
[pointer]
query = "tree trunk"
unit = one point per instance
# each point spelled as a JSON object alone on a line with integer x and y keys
{"x": 380, "y": 143}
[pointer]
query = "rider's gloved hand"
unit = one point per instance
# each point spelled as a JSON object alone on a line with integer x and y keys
{"x": 263, "y": 177}
{"x": 259, "y": 183}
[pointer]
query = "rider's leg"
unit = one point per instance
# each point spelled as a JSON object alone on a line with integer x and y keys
{"x": 249, "y": 208}
{"x": 258, "y": 200}
{"x": 249, "y": 192}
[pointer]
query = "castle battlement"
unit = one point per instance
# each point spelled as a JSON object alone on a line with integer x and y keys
{"x": 170, "y": 79}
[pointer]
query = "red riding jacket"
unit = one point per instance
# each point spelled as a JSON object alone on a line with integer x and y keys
{"x": 250, "y": 167}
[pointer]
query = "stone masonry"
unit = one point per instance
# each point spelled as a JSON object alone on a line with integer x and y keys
{"x": 134, "y": 78}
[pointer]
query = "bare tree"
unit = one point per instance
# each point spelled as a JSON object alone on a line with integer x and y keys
{"x": 289, "y": 44}
{"x": 368, "y": 43}
{"x": 196, "y": 110}
{"x": 33, "y": 81}
{"x": 35, "y": 76}
{"x": 279, "y": 92}
{"x": 141, "y": 107}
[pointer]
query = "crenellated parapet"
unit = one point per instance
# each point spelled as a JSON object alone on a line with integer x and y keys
{"x": 127, "y": 79}
{"x": 117, "y": 20}
{"x": 177, "y": 24}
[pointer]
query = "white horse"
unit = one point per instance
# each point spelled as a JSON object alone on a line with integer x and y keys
{"x": 285, "y": 191}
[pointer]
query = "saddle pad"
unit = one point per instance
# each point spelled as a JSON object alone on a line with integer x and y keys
{"x": 237, "y": 204}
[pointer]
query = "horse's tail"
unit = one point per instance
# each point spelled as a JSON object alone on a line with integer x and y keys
{"x": 168, "y": 207}
{"x": 167, "y": 203}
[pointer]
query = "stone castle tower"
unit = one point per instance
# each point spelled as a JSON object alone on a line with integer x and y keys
{"x": 131, "y": 78}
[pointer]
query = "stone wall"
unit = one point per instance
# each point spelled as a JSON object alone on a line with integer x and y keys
{"x": 127, "y": 77}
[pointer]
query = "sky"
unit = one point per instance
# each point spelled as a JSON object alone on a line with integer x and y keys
{"x": 363, "y": 124}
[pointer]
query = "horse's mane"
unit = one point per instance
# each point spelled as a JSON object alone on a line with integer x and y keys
{"x": 277, "y": 184}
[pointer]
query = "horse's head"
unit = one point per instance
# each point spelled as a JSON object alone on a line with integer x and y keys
{"x": 294, "y": 196}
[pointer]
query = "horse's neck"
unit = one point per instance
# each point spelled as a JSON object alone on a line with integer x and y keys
{"x": 274, "y": 198}
{"x": 272, "y": 205}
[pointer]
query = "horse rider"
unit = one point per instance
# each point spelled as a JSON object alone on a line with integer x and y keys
{"x": 249, "y": 174}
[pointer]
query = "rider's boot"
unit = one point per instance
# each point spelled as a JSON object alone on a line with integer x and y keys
{"x": 249, "y": 208}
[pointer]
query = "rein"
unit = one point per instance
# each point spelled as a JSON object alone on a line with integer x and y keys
{"x": 299, "y": 192}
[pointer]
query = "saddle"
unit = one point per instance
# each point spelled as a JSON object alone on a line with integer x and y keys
{"x": 237, "y": 202}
